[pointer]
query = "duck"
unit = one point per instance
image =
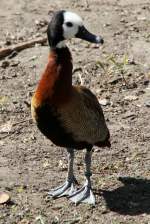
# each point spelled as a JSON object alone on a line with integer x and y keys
{"x": 69, "y": 116}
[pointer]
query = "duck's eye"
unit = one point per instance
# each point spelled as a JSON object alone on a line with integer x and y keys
{"x": 69, "y": 24}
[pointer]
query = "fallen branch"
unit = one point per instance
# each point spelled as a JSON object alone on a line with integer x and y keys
{"x": 18, "y": 47}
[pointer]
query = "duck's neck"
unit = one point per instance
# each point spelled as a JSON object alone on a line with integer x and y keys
{"x": 63, "y": 84}
{"x": 55, "y": 85}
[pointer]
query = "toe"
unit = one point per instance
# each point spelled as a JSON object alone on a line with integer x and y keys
{"x": 85, "y": 195}
{"x": 66, "y": 189}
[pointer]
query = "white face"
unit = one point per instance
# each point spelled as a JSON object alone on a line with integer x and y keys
{"x": 71, "y": 24}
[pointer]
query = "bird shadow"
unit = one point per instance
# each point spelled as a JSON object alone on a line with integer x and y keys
{"x": 133, "y": 198}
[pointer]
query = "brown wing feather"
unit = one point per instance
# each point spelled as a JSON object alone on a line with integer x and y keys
{"x": 83, "y": 117}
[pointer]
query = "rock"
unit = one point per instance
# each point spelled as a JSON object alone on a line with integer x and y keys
{"x": 131, "y": 61}
{"x": 41, "y": 23}
{"x": 34, "y": 57}
{"x": 130, "y": 98}
{"x": 27, "y": 103}
{"x": 6, "y": 127}
{"x": 114, "y": 80}
{"x": 129, "y": 115}
{"x": 141, "y": 18}
{"x": 131, "y": 23}
{"x": 123, "y": 20}
{"x": 5, "y": 64}
{"x": 107, "y": 24}
{"x": 146, "y": 82}
{"x": 104, "y": 102}
{"x": 14, "y": 63}
{"x": 147, "y": 103}
{"x": 8, "y": 42}
{"x": 118, "y": 32}
{"x": 62, "y": 166}
{"x": 46, "y": 164}
{"x": 13, "y": 54}
{"x": 4, "y": 197}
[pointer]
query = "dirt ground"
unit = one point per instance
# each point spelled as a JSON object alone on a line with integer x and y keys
{"x": 118, "y": 73}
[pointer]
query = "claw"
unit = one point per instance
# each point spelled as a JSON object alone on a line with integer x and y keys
{"x": 84, "y": 194}
{"x": 66, "y": 189}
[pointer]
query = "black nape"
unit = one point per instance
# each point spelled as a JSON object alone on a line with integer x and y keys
{"x": 54, "y": 30}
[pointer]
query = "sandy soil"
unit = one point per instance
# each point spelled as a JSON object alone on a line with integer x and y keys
{"x": 118, "y": 73}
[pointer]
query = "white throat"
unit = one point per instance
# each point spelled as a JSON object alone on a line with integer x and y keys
{"x": 61, "y": 44}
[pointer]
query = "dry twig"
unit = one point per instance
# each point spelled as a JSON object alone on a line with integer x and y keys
{"x": 21, "y": 46}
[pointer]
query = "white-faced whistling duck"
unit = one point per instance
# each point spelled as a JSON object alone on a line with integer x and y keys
{"x": 70, "y": 116}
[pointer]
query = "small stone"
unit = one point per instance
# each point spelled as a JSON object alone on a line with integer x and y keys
{"x": 146, "y": 82}
{"x": 106, "y": 24}
{"x": 62, "y": 166}
{"x": 131, "y": 23}
{"x": 131, "y": 61}
{"x": 2, "y": 143}
{"x": 147, "y": 103}
{"x": 104, "y": 102}
{"x": 33, "y": 58}
{"x": 6, "y": 127}
{"x": 8, "y": 42}
{"x": 114, "y": 80}
{"x": 141, "y": 18}
{"x": 130, "y": 98}
{"x": 4, "y": 197}
{"x": 14, "y": 63}
{"x": 118, "y": 32}
{"x": 33, "y": 137}
{"x": 13, "y": 54}
{"x": 41, "y": 23}
{"x": 123, "y": 20}
{"x": 27, "y": 103}
{"x": 129, "y": 115}
{"x": 5, "y": 64}
{"x": 46, "y": 164}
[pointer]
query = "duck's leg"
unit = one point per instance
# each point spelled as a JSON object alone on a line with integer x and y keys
{"x": 69, "y": 186}
{"x": 85, "y": 194}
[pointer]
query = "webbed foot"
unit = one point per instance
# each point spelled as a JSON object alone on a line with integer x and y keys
{"x": 66, "y": 189}
{"x": 84, "y": 194}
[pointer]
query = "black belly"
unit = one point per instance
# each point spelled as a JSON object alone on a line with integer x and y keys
{"x": 50, "y": 125}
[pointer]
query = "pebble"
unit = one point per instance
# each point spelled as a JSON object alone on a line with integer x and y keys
{"x": 33, "y": 58}
{"x": 13, "y": 54}
{"x": 130, "y": 98}
{"x": 5, "y": 64}
{"x": 41, "y": 23}
{"x": 115, "y": 80}
{"x": 106, "y": 25}
{"x": 4, "y": 197}
{"x": 129, "y": 115}
{"x": 141, "y": 18}
{"x": 147, "y": 103}
{"x": 104, "y": 102}
{"x": 146, "y": 82}
{"x": 123, "y": 20}
{"x": 14, "y": 63}
{"x": 62, "y": 166}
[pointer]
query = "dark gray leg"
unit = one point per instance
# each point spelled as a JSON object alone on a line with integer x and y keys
{"x": 70, "y": 175}
{"x": 68, "y": 187}
{"x": 85, "y": 194}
